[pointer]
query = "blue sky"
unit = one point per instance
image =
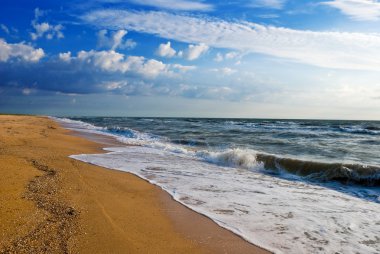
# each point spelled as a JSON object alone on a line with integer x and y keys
{"x": 258, "y": 58}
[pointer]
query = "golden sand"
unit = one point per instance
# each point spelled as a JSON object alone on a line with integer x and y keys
{"x": 50, "y": 203}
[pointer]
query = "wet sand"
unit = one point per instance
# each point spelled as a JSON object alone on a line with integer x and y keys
{"x": 50, "y": 203}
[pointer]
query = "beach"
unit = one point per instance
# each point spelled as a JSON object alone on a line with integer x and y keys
{"x": 51, "y": 203}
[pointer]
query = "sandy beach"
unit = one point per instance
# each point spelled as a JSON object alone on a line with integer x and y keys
{"x": 53, "y": 204}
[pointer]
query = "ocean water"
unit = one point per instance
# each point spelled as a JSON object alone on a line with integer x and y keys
{"x": 300, "y": 186}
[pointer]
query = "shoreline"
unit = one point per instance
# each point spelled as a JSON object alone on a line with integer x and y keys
{"x": 111, "y": 210}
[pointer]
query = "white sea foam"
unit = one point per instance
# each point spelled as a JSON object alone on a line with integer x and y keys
{"x": 241, "y": 158}
{"x": 76, "y": 125}
{"x": 280, "y": 215}
{"x": 135, "y": 137}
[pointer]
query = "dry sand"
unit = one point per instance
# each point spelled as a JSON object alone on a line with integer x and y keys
{"x": 50, "y": 203}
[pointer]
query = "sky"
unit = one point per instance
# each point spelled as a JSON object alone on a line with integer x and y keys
{"x": 181, "y": 58}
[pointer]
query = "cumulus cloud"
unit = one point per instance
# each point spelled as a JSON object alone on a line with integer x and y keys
{"x": 112, "y": 61}
{"x": 165, "y": 50}
{"x": 116, "y": 62}
{"x": 152, "y": 68}
{"x": 66, "y": 57}
{"x": 47, "y": 30}
{"x": 272, "y": 4}
{"x": 340, "y": 50}
{"x": 114, "y": 40}
{"x": 192, "y": 52}
{"x": 179, "y": 5}
{"x": 44, "y": 29}
{"x": 19, "y": 51}
{"x": 357, "y": 9}
{"x": 195, "y": 51}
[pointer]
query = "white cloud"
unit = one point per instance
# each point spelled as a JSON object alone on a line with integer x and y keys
{"x": 192, "y": 52}
{"x": 272, "y": 4}
{"x": 184, "y": 68}
{"x": 44, "y": 28}
{"x": 180, "y": 5}
{"x": 118, "y": 38}
{"x": 325, "y": 49}
{"x": 357, "y": 9}
{"x": 152, "y": 68}
{"x": 40, "y": 30}
{"x": 47, "y": 30}
{"x": 66, "y": 57}
{"x": 112, "y": 61}
{"x": 20, "y": 51}
{"x": 195, "y": 51}
{"x": 165, "y": 50}
{"x": 114, "y": 40}
{"x": 108, "y": 60}
{"x": 129, "y": 44}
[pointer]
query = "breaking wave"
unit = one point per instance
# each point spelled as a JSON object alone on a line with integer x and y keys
{"x": 322, "y": 171}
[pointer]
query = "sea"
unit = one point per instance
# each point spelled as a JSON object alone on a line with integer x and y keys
{"x": 289, "y": 186}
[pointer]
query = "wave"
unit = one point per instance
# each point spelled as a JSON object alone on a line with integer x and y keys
{"x": 322, "y": 171}
{"x": 370, "y": 130}
{"x": 77, "y": 124}
{"x": 366, "y": 175}
{"x": 128, "y": 133}
{"x": 242, "y": 158}
{"x": 373, "y": 128}
{"x": 298, "y": 128}
{"x": 189, "y": 142}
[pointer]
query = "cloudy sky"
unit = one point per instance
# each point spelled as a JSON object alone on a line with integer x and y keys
{"x": 231, "y": 58}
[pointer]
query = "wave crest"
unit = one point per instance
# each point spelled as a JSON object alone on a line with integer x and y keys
{"x": 232, "y": 158}
{"x": 322, "y": 171}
